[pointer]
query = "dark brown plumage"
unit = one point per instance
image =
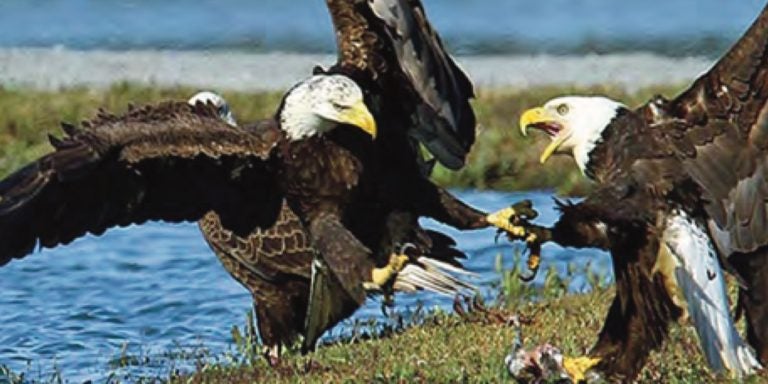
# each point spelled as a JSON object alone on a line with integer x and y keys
{"x": 290, "y": 198}
{"x": 302, "y": 217}
{"x": 121, "y": 170}
{"x": 704, "y": 155}
{"x": 414, "y": 96}
{"x": 392, "y": 51}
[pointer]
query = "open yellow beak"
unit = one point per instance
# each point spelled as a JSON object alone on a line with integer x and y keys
{"x": 359, "y": 116}
{"x": 540, "y": 115}
{"x": 530, "y": 117}
{"x": 551, "y": 148}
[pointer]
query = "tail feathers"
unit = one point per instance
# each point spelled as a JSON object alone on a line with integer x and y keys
{"x": 432, "y": 275}
{"x": 701, "y": 280}
{"x": 439, "y": 265}
{"x": 723, "y": 347}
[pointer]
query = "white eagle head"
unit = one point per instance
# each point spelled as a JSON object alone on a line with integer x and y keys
{"x": 322, "y": 102}
{"x": 574, "y": 123}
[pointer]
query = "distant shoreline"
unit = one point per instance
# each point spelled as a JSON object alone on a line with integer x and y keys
{"x": 57, "y": 68}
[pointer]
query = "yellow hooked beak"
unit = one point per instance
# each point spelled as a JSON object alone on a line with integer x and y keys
{"x": 359, "y": 116}
{"x": 536, "y": 116}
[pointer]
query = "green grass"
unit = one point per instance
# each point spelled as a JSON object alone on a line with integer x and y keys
{"x": 501, "y": 158}
{"x": 443, "y": 347}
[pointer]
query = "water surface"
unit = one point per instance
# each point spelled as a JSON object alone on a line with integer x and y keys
{"x": 146, "y": 291}
{"x": 674, "y": 27}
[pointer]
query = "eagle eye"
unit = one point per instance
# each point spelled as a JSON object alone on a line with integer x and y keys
{"x": 340, "y": 106}
{"x": 562, "y": 109}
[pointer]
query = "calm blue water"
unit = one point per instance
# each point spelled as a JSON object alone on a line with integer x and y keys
{"x": 150, "y": 290}
{"x": 675, "y": 27}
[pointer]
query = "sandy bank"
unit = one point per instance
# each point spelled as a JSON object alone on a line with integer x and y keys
{"x": 52, "y": 69}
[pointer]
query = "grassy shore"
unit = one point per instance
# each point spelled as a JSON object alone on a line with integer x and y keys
{"x": 470, "y": 348}
{"x": 500, "y": 159}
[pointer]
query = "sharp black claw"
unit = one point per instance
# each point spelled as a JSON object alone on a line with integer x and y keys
{"x": 407, "y": 249}
{"x": 534, "y": 261}
{"x": 499, "y": 232}
{"x": 528, "y": 278}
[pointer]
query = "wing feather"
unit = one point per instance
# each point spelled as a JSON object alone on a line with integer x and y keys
{"x": 270, "y": 253}
{"x": 170, "y": 161}
{"x": 726, "y": 113}
{"x": 390, "y": 44}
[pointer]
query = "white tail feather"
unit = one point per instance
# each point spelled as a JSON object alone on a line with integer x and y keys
{"x": 432, "y": 275}
{"x": 422, "y": 278}
{"x": 437, "y": 264}
{"x": 702, "y": 282}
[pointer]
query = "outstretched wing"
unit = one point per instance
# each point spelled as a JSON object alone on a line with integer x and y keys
{"x": 390, "y": 46}
{"x": 719, "y": 129}
{"x": 171, "y": 162}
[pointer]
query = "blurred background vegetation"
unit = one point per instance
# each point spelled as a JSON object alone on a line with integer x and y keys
{"x": 500, "y": 159}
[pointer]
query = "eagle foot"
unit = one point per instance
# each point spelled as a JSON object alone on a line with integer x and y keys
{"x": 272, "y": 355}
{"x": 534, "y": 257}
{"x": 515, "y": 222}
{"x": 514, "y": 218}
{"x": 380, "y": 277}
{"x": 578, "y": 368}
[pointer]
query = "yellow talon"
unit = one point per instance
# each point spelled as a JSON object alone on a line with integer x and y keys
{"x": 535, "y": 258}
{"x": 381, "y": 276}
{"x": 502, "y": 219}
{"x": 533, "y": 262}
{"x": 397, "y": 262}
{"x": 577, "y": 367}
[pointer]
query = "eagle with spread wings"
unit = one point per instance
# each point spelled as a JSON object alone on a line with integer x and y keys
{"x": 311, "y": 209}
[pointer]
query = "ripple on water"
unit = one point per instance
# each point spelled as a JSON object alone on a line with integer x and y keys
{"x": 157, "y": 290}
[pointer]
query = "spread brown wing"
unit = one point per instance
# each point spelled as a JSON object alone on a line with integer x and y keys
{"x": 171, "y": 162}
{"x": 720, "y": 131}
{"x": 391, "y": 46}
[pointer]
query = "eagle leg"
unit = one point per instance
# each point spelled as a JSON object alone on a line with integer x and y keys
{"x": 534, "y": 257}
{"x": 272, "y": 355}
{"x": 753, "y": 301}
{"x": 380, "y": 277}
{"x": 410, "y": 269}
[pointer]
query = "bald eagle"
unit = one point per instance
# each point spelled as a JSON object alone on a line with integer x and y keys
{"x": 418, "y": 95}
{"x": 305, "y": 203}
{"x": 275, "y": 263}
{"x": 682, "y": 187}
